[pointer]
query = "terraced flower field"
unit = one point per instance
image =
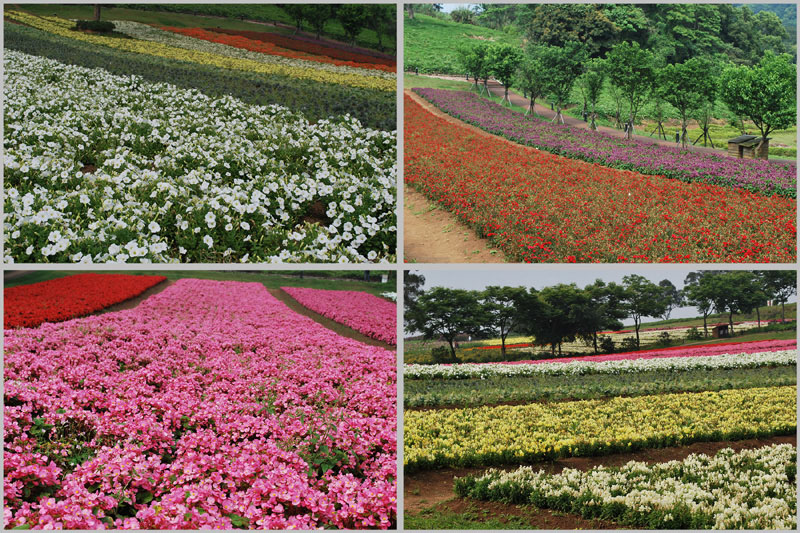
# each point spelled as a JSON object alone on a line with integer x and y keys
{"x": 210, "y": 405}
{"x": 540, "y": 207}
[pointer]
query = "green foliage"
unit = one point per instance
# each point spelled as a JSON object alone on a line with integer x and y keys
{"x": 559, "y": 24}
{"x": 315, "y": 100}
{"x": 686, "y": 86}
{"x": 352, "y": 17}
{"x": 631, "y": 69}
{"x": 503, "y": 60}
{"x": 99, "y": 26}
{"x": 496, "y": 390}
{"x": 561, "y": 65}
{"x": 693, "y": 335}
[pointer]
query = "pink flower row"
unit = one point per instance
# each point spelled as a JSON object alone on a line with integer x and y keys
{"x": 677, "y": 351}
{"x": 365, "y": 313}
{"x": 210, "y": 405}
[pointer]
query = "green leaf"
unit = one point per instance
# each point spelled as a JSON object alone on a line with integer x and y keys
{"x": 23, "y": 526}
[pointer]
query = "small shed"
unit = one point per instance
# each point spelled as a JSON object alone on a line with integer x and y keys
{"x": 748, "y": 147}
{"x": 719, "y": 331}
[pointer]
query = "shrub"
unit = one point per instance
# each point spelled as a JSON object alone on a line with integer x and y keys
{"x": 100, "y": 26}
{"x": 462, "y": 15}
{"x": 606, "y": 344}
{"x": 693, "y": 335}
{"x": 628, "y": 344}
{"x": 441, "y": 355}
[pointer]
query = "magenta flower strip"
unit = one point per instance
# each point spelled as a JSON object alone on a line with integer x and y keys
{"x": 210, "y": 405}
{"x": 361, "y": 311}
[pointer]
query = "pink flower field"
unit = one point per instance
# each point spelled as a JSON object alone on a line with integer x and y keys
{"x": 677, "y": 351}
{"x": 361, "y": 311}
{"x": 210, "y": 405}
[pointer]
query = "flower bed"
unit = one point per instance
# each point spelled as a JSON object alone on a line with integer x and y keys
{"x": 750, "y": 489}
{"x": 210, "y": 405}
{"x": 191, "y": 39}
{"x": 539, "y": 207}
{"x": 62, "y": 27}
{"x": 541, "y": 431}
{"x": 765, "y": 177}
{"x": 337, "y": 51}
{"x": 103, "y": 168}
{"x": 599, "y": 365}
{"x": 368, "y": 314}
{"x": 69, "y": 297}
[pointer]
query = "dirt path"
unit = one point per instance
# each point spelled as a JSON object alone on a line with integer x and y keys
{"x": 432, "y": 487}
{"x": 15, "y": 274}
{"x": 496, "y": 88}
{"x": 433, "y": 235}
{"x": 136, "y": 300}
{"x": 339, "y": 329}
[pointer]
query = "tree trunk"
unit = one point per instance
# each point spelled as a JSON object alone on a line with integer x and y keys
{"x": 705, "y": 324}
{"x": 730, "y": 321}
{"x": 594, "y": 338}
{"x": 783, "y": 312}
{"x": 683, "y": 132}
{"x": 503, "y": 347}
{"x": 452, "y": 349}
{"x": 410, "y": 11}
{"x": 593, "y": 126}
{"x": 97, "y": 12}
{"x": 758, "y": 315}
{"x": 629, "y": 133}
{"x": 531, "y": 109}
{"x": 637, "y": 324}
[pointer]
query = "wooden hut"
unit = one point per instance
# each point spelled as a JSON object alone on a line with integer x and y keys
{"x": 720, "y": 331}
{"x": 748, "y": 147}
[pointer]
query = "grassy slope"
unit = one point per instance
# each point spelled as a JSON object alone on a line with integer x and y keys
{"x": 271, "y": 280}
{"x": 431, "y": 43}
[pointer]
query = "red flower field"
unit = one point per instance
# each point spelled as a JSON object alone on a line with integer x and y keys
{"x": 60, "y": 299}
{"x": 539, "y": 207}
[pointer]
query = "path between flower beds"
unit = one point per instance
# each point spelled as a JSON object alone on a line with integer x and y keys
{"x": 453, "y": 241}
{"x": 339, "y": 329}
{"x": 426, "y": 489}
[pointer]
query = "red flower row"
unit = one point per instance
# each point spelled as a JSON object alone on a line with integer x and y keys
{"x": 540, "y": 207}
{"x": 60, "y": 299}
{"x": 269, "y": 48}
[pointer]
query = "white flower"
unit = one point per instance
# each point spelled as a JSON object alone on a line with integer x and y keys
{"x": 208, "y": 241}
{"x": 154, "y": 227}
{"x": 245, "y": 226}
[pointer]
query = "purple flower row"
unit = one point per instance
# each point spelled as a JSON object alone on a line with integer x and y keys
{"x": 764, "y": 177}
{"x": 368, "y": 314}
{"x": 211, "y": 405}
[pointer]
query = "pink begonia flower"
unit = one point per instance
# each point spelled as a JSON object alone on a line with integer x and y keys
{"x": 210, "y": 405}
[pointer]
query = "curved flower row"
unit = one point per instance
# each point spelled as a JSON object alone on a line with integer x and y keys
{"x": 209, "y": 406}
{"x": 539, "y": 207}
{"x": 364, "y": 312}
{"x": 748, "y": 489}
{"x": 187, "y": 41}
{"x": 60, "y": 299}
{"x": 648, "y": 158}
{"x": 673, "y": 362}
{"x": 103, "y": 168}
{"x": 62, "y": 27}
{"x": 527, "y": 433}
{"x": 340, "y": 53}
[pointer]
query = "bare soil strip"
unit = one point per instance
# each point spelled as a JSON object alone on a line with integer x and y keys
{"x": 130, "y": 303}
{"x": 434, "y": 235}
{"x": 432, "y": 487}
{"x": 339, "y": 329}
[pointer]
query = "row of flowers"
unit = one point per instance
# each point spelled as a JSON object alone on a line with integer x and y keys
{"x": 671, "y": 362}
{"x": 103, "y": 168}
{"x": 211, "y": 405}
{"x": 60, "y": 299}
{"x": 186, "y": 39}
{"x": 63, "y": 27}
{"x": 488, "y": 436}
{"x": 749, "y": 489}
{"x": 361, "y": 311}
{"x": 648, "y": 158}
{"x": 540, "y": 207}
{"x": 325, "y": 47}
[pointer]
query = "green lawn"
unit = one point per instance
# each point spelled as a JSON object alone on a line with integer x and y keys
{"x": 431, "y": 43}
{"x": 471, "y": 518}
{"x": 271, "y": 280}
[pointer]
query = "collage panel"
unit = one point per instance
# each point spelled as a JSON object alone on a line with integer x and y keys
{"x": 575, "y": 399}
{"x": 600, "y": 133}
{"x": 200, "y": 400}
{"x": 202, "y": 133}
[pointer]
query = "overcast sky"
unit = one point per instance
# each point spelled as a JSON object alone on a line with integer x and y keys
{"x": 543, "y": 276}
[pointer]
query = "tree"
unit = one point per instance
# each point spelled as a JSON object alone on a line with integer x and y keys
{"x": 672, "y": 297}
{"x": 732, "y": 293}
{"x": 559, "y": 24}
{"x": 766, "y": 93}
{"x": 97, "y": 12}
{"x": 631, "y": 69}
{"x": 381, "y": 20}
{"x": 412, "y": 287}
{"x": 591, "y": 83}
{"x": 562, "y": 65}
{"x": 503, "y": 60}
{"x": 296, "y": 12}
{"x": 530, "y": 78}
{"x": 780, "y": 285}
{"x": 410, "y": 11}
{"x": 686, "y": 87}
{"x": 317, "y": 15}
{"x": 501, "y": 305}
{"x": 556, "y": 316}
{"x": 698, "y": 291}
{"x": 353, "y": 18}
{"x": 474, "y": 60}
{"x": 605, "y": 309}
{"x": 642, "y": 298}
{"x": 446, "y": 313}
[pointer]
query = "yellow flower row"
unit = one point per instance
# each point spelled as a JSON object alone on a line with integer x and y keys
{"x": 516, "y": 434}
{"x": 62, "y": 27}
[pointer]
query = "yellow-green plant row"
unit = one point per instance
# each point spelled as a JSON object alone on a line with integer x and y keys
{"x": 523, "y": 433}
{"x": 62, "y": 27}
